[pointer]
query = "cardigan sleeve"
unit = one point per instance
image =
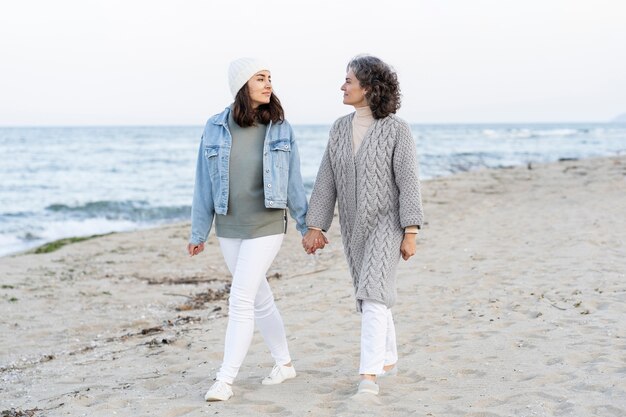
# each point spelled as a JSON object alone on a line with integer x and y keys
{"x": 322, "y": 203}
{"x": 407, "y": 179}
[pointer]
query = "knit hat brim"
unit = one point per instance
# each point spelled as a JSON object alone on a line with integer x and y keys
{"x": 241, "y": 70}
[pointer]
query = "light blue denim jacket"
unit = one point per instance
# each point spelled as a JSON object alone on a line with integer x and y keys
{"x": 282, "y": 181}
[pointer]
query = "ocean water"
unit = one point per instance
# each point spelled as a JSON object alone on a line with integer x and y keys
{"x": 77, "y": 181}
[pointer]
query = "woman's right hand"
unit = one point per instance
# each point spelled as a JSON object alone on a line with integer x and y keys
{"x": 313, "y": 240}
{"x": 195, "y": 249}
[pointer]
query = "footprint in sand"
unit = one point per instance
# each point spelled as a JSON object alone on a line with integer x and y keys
{"x": 181, "y": 411}
{"x": 324, "y": 390}
{"x": 326, "y": 363}
{"x": 268, "y": 409}
{"x": 471, "y": 372}
{"x": 444, "y": 398}
{"x": 609, "y": 410}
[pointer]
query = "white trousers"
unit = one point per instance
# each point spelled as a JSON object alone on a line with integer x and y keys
{"x": 378, "y": 338}
{"x": 251, "y": 300}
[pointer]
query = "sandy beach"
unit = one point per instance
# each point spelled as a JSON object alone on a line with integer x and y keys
{"x": 515, "y": 305}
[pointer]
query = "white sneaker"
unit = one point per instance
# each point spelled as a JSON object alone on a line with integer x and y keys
{"x": 279, "y": 374}
{"x": 367, "y": 387}
{"x": 219, "y": 391}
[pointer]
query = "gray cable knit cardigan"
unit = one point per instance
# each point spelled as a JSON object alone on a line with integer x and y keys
{"x": 378, "y": 193}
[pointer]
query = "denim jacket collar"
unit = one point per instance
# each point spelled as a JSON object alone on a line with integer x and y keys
{"x": 222, "y": 118}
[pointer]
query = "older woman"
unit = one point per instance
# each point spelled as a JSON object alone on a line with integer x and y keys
{"x": 370, "y": 168}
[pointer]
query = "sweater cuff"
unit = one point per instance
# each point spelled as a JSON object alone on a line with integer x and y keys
{"x": 411, "y": 230}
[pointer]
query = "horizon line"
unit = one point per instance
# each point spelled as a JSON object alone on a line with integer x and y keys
{"x": 139, "y": 125}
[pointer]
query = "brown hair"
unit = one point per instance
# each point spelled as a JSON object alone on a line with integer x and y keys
{"x": 245, "y": 115}
{"x": 381, "y": 82}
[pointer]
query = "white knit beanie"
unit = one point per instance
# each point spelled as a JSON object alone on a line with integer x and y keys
{"x": 241, "y": 70}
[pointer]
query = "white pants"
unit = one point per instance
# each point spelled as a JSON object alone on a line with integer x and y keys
{"x": 251, "y": 300}
{"x": 378, "y": 338}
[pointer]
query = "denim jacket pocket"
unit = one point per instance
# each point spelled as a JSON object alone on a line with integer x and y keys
{"x": 211, "y": 153}
{"x": 280, "y": 150}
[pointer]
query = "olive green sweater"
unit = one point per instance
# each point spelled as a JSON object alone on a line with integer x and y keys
{"x": 247, "y": 217}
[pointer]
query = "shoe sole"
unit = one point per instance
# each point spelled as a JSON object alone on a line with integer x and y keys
{"x": 367, "y": 391}
{"x": 215, "y": 398}
{"x": 270, "y": 382}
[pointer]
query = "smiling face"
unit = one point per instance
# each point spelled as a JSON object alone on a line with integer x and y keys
{"x": 260, "y": 88}
{"x": 353, "y": 93}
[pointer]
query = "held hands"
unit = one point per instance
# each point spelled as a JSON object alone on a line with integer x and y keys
{"x": 409, "y": 245}
{"x": 313, "y": 240}
{"x": 195, "y": 249}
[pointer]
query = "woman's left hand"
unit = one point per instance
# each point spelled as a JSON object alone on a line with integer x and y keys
{"x": 409, "y": 245}
{"x": 314, "y": 240}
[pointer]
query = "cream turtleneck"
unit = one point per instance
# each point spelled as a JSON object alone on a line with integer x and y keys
{"x": 362, "y": 120}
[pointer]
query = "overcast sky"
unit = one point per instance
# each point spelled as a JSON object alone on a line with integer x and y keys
{"x": 147, "y": 62}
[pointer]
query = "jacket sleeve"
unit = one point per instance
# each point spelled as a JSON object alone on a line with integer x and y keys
{"x": 296, "y": 197}
{"x": 407, "y": 179}
{"x": 202, "y": 209}
{"x": 324, "y": 195}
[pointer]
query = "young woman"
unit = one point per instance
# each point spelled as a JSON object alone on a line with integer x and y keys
{"x": 247, "y": 175}
{"x": 370, "y": 168}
